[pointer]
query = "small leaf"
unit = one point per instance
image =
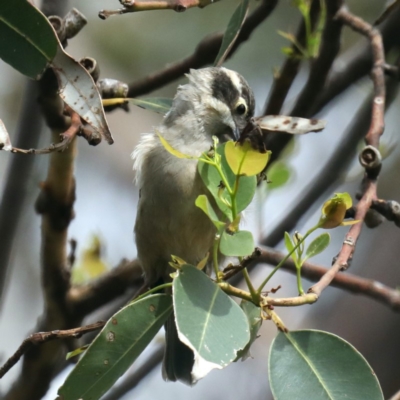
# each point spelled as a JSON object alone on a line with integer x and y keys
{"x": 5, "y": 143}
{"x": 202, "y": 263}
{"x": 238, "y": 244}
{"x": 346, "y": 198}
{"x": 290, "y": 246}
{"x": 212, "y": 180}
{"x": 159, "y": 105}
{"x": 208, "y": 321}
{"x": 244, "y": 160}
{"x": 315, "y": 365}
{"x": 294, "y": 125}
{"x": 288, "y": 36}
{"x": 91, "y": 264}
{"x": 288, "y": 242}
{"x": 253, "y": 314}
{"x": 318, "y": 245}
{"x": 204, "y": 204}
{"x": 334, "y": 211}
{"x": 173, "y": 151}
{"x": 287, "y": 51}
{"x": 121, "y": 341}
{"x": 232, "y": 31}
{"x": 76, "y": 352}
{"x": 78, "y": 90}
{"x": 27, "y": 40}
{"x": 278, "y": 175}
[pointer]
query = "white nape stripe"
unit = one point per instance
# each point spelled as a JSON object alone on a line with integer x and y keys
{"x": 234, "y": 78}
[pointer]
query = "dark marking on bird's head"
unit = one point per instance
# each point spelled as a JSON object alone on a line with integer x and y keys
{"x": 231, "y": 89}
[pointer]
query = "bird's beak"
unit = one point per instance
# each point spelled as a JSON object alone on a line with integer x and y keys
{"x": 236, "y": 133}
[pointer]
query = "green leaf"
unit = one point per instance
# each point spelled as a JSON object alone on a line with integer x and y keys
{"x": 238, "y": 244}
{"x": 212, "y": 180}
{"x": 290, "y": 245}
{"x": 253, "y": 314}
{"x": 316, "y": 365}
{"x": 76, "y": 352}
{"x": 159, "y": 105}
{"x": 318, "y": 245}
{"x": 204, "y": 204}
{"x": 27, "y": 40}
{"x": 116, "y": 347}
{"x": 208, "y": 321}
{"x": 278, "y": 175}
{"x": 288, "y": 242}
{"x": 244, "y": 160}
{"x": 232, "y": 31}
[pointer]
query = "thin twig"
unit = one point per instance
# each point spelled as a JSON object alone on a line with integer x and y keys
{"x": 286, "y": 76}
{"x": 130, "y": 6}
{"x": 232, "y": 270}
{"x": 358, "y": 62}
{"x": 377, "y": 74}
{"x": 42, "y": 337}
{"x": 320, "y": 67}
{"x": 346, "y": 281}
{"x": 205, "y": 53}
{"x": 66, "y": 137}
{"x": 333, "y": 169}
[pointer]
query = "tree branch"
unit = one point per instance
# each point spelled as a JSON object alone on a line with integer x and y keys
{"x": 43, "y": 337}
{"x": 205, "y": 53}
{"x": 286, "y": 76}
{"x": 82, "y": 300}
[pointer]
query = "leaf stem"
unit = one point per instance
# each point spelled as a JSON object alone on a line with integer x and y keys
{"x": 153, "y": 290}
{"x": 215, "y": 257}
{"x": 266, "y": 280}
{"x": 234, "y": 291}
{"x": 254, "y": 294}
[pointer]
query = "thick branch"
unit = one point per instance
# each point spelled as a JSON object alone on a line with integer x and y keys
{"x": 205, "y": 53}
{"x": 82, "y": 300}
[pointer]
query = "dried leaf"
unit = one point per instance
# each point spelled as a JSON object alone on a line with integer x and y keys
{"x": 78, "y": 90}
{"x": 5, "y": 143}
{"x": 293, "y": 125}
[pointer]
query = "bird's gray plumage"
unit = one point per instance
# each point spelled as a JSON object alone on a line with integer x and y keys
{"x": 168, "y": 222}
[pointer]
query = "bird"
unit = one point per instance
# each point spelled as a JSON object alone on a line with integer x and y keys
{"x": 217, "y": 102}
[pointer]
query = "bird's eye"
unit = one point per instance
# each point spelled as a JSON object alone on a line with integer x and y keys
{"x": 241, "y": 108}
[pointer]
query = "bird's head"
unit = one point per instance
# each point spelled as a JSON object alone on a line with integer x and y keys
{"x": 219, "y": 100}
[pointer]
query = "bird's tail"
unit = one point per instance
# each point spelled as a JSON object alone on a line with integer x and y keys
{"x": 178, "y": 358}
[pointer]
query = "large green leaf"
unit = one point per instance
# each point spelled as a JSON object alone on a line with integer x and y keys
{"x": 208, "y": 321}
{"x": 27, "y": 40}
{"x": 157, "y": 104}
{"x": 237, "y": 244}
{"x": 232, "y": 31}
{"x": 117, "y": 346}
{"x": 29, "y": 43}
{"x": 316, "y": 365}
{"x": 212, "y": 180}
